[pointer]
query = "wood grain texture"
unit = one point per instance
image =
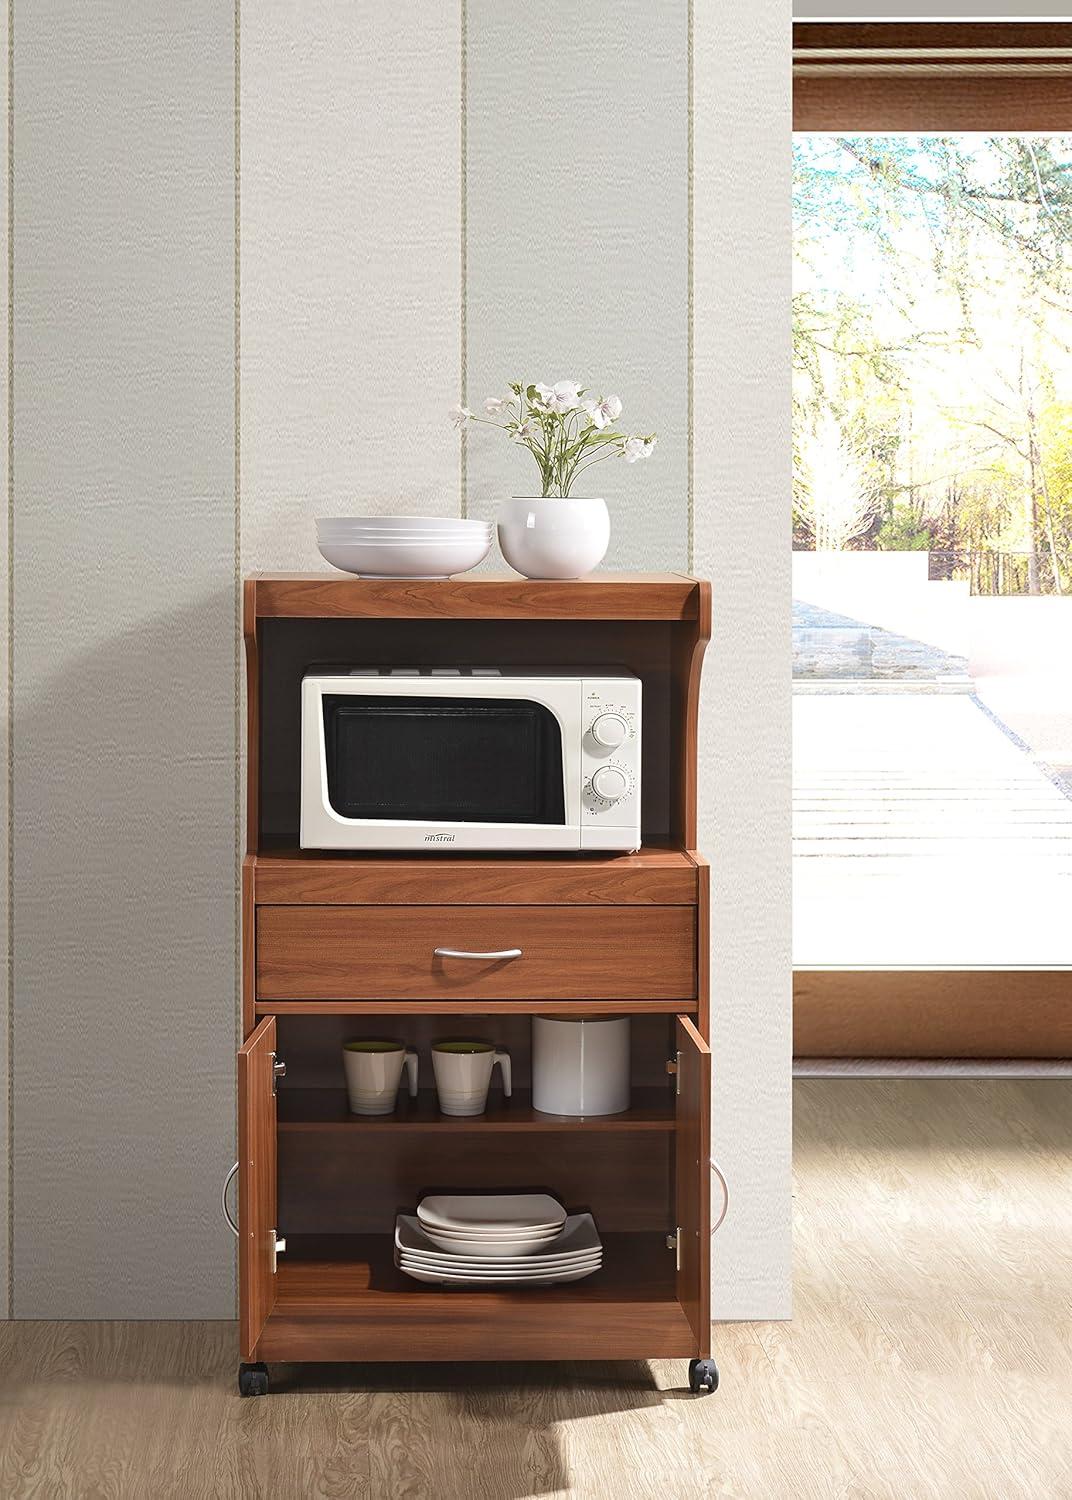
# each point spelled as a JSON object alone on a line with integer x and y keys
{"x": 660, "y": 877}
{"x": 998, "y": 105}
{"x": 343, "y": 1187}
{"x": 249, "y": 947}
{"x": 257, "y": 1190}
{"x": 929, "y": 1356}
{"x": 479, "y": 1007}
{"x": 327, "y": 1111}
{"x": 692, "y": 1180}
{"x": 941, "y": 89}
{"x": 932, "y": 1013}
{"x": 253, "y": 713}
{"x": 568, "y": 952}
{"x": 341, "y": 1298}
{"x": 600, "y": 596}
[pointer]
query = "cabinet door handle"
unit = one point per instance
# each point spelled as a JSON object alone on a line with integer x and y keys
{"x": 223, "y": 1198}
{"x": 717, "y": 1170}
{"x": 465, "y": 953}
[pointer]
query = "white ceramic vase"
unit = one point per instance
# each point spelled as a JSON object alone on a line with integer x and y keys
{"x": 554, "y": 538}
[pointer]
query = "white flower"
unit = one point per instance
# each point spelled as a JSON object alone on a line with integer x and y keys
{"x": 497, "y": 406}
{"x": 525, "y": 431}
{"x": 633, "y": 448}
{"x": 649, "y": 447}
{"x": 459, "y": 415}
{"x": 606, "y": 409}
{"x": 563, "y": 396}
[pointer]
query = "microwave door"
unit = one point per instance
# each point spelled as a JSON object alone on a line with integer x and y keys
{"x": 444, "y": 760}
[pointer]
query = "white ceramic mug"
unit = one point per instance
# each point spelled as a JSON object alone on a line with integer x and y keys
{"x": 580, "y": 1065}
{"x": 373, "y": 1073}
{"x": 463, "y": 1075}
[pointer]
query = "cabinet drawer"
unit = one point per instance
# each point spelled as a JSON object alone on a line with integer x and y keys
{"x": 574, "y": 952}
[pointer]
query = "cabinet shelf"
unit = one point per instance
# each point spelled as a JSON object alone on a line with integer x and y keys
{"x": 342, "y": 1297}
{"x": 652, "y": 1109}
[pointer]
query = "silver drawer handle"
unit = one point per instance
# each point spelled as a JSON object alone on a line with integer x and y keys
{"x": 465, "y": 953}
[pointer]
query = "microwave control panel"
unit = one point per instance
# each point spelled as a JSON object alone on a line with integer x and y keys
{"x": 610, "y": 751}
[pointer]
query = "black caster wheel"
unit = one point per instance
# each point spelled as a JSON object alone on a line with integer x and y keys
{"x": 253, "y": 1380}
{"x": 703, "y": 1376}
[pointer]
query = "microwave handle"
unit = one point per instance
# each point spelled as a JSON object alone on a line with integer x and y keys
{"x": 465, "y": 953}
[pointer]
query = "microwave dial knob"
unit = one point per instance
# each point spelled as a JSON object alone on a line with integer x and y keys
{"x": 609, "y": 730}
{"x": 610, "y": 783}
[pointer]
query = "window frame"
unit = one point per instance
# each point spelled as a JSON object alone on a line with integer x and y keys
{"x": 932, "y": 76}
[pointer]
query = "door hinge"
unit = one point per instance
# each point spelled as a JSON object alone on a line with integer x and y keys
{"x": 278, "y": 1244}
{"x": 673, "y": 1067}
{"x": 279, "y": 1070}
{"x": 673, "y": 1242}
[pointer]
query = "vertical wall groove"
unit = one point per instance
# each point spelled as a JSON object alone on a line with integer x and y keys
{"x": 463, "y": 239}
{"x": 691, "y": 398}
{"x": 11, "y": 658}
{"x": 238, "y": 518}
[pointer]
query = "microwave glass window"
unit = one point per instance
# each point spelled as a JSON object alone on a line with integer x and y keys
{"x": 473, "y": 760}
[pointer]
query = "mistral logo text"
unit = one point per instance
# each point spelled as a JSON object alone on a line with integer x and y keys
{"x": 439, "y": 838}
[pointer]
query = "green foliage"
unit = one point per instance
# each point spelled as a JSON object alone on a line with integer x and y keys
{"x": 932, "y": 318}
{"x": 901, "y": 531}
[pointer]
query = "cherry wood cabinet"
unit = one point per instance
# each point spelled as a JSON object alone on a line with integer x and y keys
{"x": 337, "y": 945}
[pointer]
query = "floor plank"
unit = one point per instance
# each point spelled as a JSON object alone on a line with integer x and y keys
{"x": 930, "y": 1355}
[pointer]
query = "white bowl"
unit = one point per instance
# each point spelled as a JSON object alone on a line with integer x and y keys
{"x": 405, "y": 523}
{"x": 397, "y": 559}
{"x": 385, "y": 538}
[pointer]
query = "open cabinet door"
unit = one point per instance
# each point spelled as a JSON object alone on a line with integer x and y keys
{"x": 256, "y": 1183}
{"x": 693, "y": 1181}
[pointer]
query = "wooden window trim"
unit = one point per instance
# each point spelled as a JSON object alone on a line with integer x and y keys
{"x": 932, "y": 76}
{"x": 993, "y": 76}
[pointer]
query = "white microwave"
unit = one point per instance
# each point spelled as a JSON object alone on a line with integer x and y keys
{"x": 469, "y": 758}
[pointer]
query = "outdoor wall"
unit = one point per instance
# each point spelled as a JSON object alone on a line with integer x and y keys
{"x": 1023, "y": 637}
{"x": 890, "y": 589}
{"x": 427, "y": 201}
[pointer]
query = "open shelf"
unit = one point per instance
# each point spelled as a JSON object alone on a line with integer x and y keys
{"x": 341, "y": 1297}
{"x": 652, "y": 1109}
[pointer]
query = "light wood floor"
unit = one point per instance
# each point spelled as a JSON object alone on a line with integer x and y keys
{"x": 930, "y": 1355}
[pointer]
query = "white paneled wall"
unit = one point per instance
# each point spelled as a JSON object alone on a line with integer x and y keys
{"x": 124, "y": 744}
{"x": 577, "y": 245}
{"x": 430, "y": 198}
{"x": 742, "y": 197}
{"x": 351, "y": 256}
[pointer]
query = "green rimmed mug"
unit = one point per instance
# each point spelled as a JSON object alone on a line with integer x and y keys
{"x": 463, "y": 1072}
{"x": 374, "y": 1071}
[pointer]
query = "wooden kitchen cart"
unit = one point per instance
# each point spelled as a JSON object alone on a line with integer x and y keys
{"x": 339, "y": 945}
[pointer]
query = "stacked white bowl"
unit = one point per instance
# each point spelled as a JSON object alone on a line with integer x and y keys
{"x": 522, "y": 1239}
{"x": 403, "y": 546}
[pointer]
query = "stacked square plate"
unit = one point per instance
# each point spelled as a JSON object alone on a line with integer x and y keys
{"x": 403, "y": 546}
{"x": 519, "y": 1239}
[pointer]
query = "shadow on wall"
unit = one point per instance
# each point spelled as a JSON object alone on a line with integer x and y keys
{"x": 124, "y": 973}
